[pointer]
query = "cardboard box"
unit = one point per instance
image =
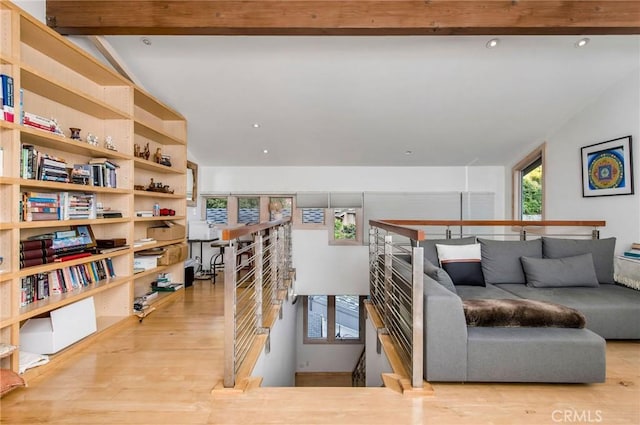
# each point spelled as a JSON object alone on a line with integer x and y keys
{"x": 65, "y": 326}
{"x": 173, "y": 254}
{"x": 166, "y": 232}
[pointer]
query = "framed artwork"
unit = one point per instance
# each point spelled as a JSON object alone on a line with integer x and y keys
{"x": 607, "y": 168}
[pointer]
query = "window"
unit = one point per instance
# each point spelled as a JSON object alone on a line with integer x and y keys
{"x": 312, "y": 215}
{"x": 333, "y": 319}
{"x": 248, "y": 210}
{"x": 216, "y": 210}
{"x": 347, "y": 226}
{"x": 528, "y": 187}
{"x": 281, "y": 206}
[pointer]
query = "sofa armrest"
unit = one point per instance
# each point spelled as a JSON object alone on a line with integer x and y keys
{"x": 445, "y": 330}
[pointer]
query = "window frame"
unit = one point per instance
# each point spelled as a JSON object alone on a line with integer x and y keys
{"x": 205, "y": 199}
{"x": 331, "y": 322}
{"x": 330, "y": 212}
{"x": 517, "y": 173}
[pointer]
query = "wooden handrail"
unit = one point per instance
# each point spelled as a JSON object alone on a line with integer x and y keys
{"x": 236, "y": 232}
{"x": 397, "y": 226}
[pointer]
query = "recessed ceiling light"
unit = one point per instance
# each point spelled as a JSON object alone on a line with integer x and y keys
{"x": 408, "y": 152}
{"x": 265, "y": 151}
{"x": 492, "y": 43}
{"x": 582, "y": 42}
{"x": 146, "y": 41}
{"x": 256, "y": 125}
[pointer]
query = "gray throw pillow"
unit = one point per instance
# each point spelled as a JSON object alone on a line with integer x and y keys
{"x": 439, "y": 275}
{"x": 601, "y": 249}
{"x": 501, "y": 259}
{"x": 560, "y": 272}
{"x": 429, "y": 246}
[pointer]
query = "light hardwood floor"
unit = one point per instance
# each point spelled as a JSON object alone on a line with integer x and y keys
{"x": 162, "y": 371}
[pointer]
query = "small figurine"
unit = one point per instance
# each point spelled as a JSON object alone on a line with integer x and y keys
{"x": 92, "y": 140}
{"x": 136, "y": 150}
{"x": 55, "y": 127}
{"x": 108, "y": 144}
{"x": 146, "y": 154}
{"x": 158, "y": 156}
{"x": 75, "y": 133}
{"x": 166, "y": 160}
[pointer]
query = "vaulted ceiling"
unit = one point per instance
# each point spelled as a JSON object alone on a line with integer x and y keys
{"x": 369, "y": 100}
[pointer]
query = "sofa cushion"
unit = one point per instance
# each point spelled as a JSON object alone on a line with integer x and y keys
{"x": 501, "y": 259}
{"x": 612, "y": 311}
{"x": 560, "y": 272}
{"x": 487, "y": 291}
{"x": 429, "y": 246}
{"x": 518, "y": 313}
{"x": 462, "y": 263}
{"x": 439, "y": 275}
{"x": 601, "y": 249}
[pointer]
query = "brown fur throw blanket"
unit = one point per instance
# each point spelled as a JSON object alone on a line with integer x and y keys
{"x": 525, "y": 313}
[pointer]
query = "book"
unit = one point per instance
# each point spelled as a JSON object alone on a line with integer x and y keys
{"x": 37, "y": 253}
{"x": 7, "y": 97}
{"x": 635, "y": 245}
{"x": 36, "y": 244}
{"x": 111, "y": 243}
{"x": 169, "y": 288}
{"x": 72, "y": 256}
{"x": 36, "y": 261}
{"x": 632, "y": 253}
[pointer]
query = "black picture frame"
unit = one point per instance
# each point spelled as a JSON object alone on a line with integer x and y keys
{"x": 607, "y": 168}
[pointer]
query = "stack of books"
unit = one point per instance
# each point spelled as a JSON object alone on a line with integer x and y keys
{"x": 36, "y": 165}
{"x": 82, "y": 174}
{"x": 6, "y": 98}
{"x": 77, "y": 205}
{"x": 36, "y": 252}
{"x": 38, "y": 206}
{"x": 634, "y": 252}
{"x": 104, "y": 172}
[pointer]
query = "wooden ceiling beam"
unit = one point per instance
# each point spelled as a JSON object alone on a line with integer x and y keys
{"x": 343, "y": 17}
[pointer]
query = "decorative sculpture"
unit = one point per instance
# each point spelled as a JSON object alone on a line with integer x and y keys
{"x": 92, "y": 140}
{"x": 75, "y": 133}
{"x": 108, "y": 144}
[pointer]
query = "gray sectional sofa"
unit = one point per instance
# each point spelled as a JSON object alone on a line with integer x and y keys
{"x": 574, "y": 273}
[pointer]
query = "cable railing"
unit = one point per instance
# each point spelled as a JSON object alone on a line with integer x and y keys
{"x": 396, "y": 274}
{"x": 254, "y": 273}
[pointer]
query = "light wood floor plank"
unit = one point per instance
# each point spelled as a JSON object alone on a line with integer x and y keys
{"x": 161, "y": 371}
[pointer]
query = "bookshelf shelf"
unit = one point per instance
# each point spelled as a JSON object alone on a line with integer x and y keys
{"x": 159, "y": 168}
{"x": 35, "y": 82}
{"x": 44, "y": 268}
{"x": 157, "y": 136}
{"x": 159, "y": 218}
{"x": 145, "y": 193}
{"x": 53, "y": 141}
{"x": 157, "y": 244}
{"x": 59, "y": 223}
{"x": 69, "y": 187}
{"x": 59, "y": 79}
{"x": 57, "y": 301}
{"x": 150, "y": 272}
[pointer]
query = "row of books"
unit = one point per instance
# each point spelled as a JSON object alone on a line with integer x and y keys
{"x": 43, "y": 251}
{"x": 36, "y": 165}
{"x": 43, "y": 285}
{"x": 634, "y": 252}
{"x": 38, "y": 206}
{"x": 6, "y": 98}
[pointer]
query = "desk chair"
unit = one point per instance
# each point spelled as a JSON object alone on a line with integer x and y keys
{"x": 217, "y": 260}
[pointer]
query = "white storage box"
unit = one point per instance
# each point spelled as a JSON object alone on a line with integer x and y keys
{"x": 65, "y": 326}
{"x": 145, "y": 262}
{"x": 203, "y": 231}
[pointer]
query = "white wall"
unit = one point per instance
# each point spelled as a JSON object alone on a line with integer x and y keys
{"x": 278, "y": 367}
{"x": 33, "y": 7}
{"x": 616, "y": 113}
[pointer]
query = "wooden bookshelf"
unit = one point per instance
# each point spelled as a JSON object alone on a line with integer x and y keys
{"x": 60, "y": 80}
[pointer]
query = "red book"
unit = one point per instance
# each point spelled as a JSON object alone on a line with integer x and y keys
{"x": 73, "y": 256}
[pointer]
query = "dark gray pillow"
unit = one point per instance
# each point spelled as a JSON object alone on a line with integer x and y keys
{"x": 429, "y": 246}
{"x": 601, "y": 249}
{"x": 439, "y": 275}
{"x": 501, "y": 259}
{"x": 560, "y": 272}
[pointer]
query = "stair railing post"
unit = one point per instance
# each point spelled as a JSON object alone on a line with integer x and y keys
{"x": 417, "y": 302}
{"x": 257, "y": 261}
{"x": 230, "y": 315}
